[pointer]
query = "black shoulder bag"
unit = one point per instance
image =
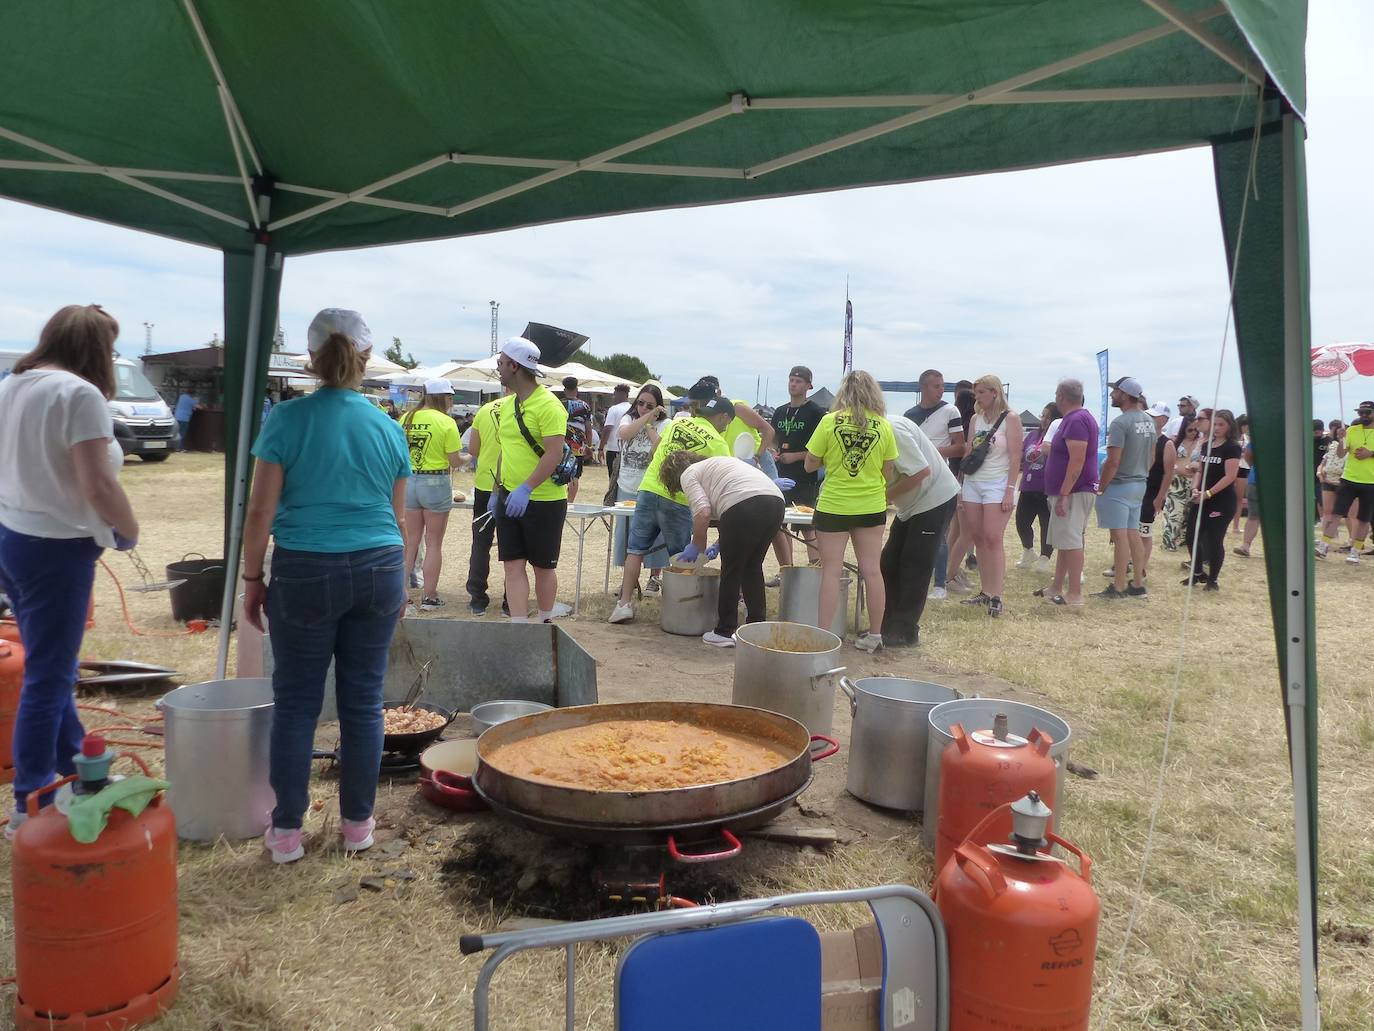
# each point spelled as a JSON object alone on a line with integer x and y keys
{"x": 973, "y": 461}
{"x": 566, "y": 468}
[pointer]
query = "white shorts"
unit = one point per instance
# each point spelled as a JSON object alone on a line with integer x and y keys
{"x": 985, "y": 492}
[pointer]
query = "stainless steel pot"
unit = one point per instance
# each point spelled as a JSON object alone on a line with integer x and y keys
{"x": 799, "y": 598}
{"x": 887, "y": 747}
{"x": 976, "y": 714}
{"x": 788, "y": 668}
{"x": 217, "y": 736}
{"x": 689, "y": 601}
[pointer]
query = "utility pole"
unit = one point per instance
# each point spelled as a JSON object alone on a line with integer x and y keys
{"x": 147, "y": 338}
{"x": 494, "y": 306}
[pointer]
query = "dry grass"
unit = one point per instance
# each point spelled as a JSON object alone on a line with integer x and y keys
{"x": 1215, "y": 945}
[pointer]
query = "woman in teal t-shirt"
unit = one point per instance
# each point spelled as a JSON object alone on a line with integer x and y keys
{"x": 330, "y": 485}
{"x": 854, "y": 442}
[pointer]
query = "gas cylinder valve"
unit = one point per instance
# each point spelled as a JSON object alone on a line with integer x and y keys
{"x": 92, "y": 764}
{"x": 1029, "y": 817}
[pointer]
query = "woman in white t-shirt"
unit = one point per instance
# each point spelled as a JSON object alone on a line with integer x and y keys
{"x": 989, "y": 493}
{"x": 60, "y": 506}
{"x": 639, "y": 433}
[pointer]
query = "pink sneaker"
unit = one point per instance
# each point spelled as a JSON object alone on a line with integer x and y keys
{"x": 357, "y": 834}
{"x": 285, "y": 845}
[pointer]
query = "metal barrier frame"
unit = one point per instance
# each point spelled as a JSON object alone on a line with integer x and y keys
{"x": 568, "y": 936}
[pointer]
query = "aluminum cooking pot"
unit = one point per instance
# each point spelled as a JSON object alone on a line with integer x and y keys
{"x": 887, "y": 747}
{"x": 788, "y": 668}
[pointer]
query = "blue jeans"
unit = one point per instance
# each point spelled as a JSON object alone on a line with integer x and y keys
{"x": 341, "y": 607}
{"x": 659, "y": 522}
{"x": 657, "y": 559}
{"x": 49, "y": 584}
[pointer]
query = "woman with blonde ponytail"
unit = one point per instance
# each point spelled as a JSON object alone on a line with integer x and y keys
{"x": 435, "y": 449}
{"x": 855, "y": 443}
{"x": 330, "y": 489}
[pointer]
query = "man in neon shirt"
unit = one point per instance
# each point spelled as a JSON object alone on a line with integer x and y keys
{"x": 1357, "y": 483}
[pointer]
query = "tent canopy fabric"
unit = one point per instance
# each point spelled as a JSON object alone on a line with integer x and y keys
{"x": 375, "y": 123}
{"x": 268, "y": 130}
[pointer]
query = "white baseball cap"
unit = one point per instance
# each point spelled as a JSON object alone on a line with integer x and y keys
{"x": 438, "y": 386}
{"x": 522, "y": 352}
{"x": 338, "y": 320}
{"x": 1159, "y": 409}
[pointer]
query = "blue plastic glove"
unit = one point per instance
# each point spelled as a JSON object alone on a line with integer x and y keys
{"x": 784, "y": 483}
{"x": 690, "y": 553}
{"x": 518, "y": 501}
{"x": 712, "y": 551}
{"x": 494, "y": 501}
{"x": 122, "y": 543}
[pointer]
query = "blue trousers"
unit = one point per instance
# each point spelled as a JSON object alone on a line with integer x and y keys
{"x": 323, "y": 607}
{"x": 48, "y": 581}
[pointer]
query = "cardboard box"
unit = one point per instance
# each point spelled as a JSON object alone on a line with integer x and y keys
{"x": 851, "y": 979}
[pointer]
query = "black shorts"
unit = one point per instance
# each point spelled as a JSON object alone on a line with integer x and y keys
{"x": 802, "y": 493}
{"x": 1328, "y": 487}
{"x": 1355, "y": 493}
{"x": 829, "y": 522}
{"x": 1147, "y": 511}
{"x": 536, "y": 537}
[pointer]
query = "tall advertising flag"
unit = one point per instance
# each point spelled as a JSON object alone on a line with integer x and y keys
{"x": 1106, "y": 398}
{"x": 848, "y": 334}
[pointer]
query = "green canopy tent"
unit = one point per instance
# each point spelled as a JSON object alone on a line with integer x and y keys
{"x": 268, "y": 130}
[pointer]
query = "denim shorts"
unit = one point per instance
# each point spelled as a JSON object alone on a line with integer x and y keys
{"x": 1118, "y": 507}
{"x": 432, "y": 492}
{"x": 658, "y": 521}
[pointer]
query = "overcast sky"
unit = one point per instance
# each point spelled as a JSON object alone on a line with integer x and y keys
{"x": 1024, "y": 274}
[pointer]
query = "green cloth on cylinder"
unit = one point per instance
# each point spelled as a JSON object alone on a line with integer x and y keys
{"x": 88, "y": 814}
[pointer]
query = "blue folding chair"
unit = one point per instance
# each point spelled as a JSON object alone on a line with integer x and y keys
{"x": 731, "y": 965}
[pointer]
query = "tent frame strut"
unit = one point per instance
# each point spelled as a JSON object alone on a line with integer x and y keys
{"x": 1193, "y": 27}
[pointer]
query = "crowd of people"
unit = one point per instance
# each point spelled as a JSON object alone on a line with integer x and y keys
{"x": 348, "y": 495}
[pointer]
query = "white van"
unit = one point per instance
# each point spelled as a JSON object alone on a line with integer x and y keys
{"x": 143, "y": 423}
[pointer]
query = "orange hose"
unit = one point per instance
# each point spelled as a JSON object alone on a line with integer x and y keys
{"x": 101, "y": 708}
{"x": 194, "y": 626}
{"x": 134, "y": 744}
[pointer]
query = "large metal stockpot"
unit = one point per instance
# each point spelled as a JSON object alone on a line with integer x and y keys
{"x": 887, "y": 747}
{"x": 689, "y": 601}
{"x": 217, "y": 737}
{"x": 788, "y": 668}
{"x": 978, "y": 714}
{"x": 799, "y": 599}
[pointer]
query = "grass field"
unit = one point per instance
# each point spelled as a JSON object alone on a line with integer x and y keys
{"x": 1214, "y": 945}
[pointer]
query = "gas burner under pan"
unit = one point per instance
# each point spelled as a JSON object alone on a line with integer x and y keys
{"x": 392, "y": 762}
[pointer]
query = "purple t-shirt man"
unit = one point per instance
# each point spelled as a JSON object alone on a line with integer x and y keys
{"x": 1077, "y": 425}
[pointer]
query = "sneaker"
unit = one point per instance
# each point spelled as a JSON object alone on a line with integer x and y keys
{"x": 870, "y": 643}
{"x": 1044, "y": 565}
{"x": 1211, "y": 585}
{"x": 1111, "y": 593}
{"x": 937, "y": 594}
{"x": 561, "y": 609}
{"x": 1353, "y": 557}
{"x": 958, "y": 585}
{"x": 17, "y": 818}
{"x": 476, "y": 609}
{"x": 623, "y": 613}
{"x": 1322, "y": 549}
{"x": 357, "y": 834}
{"x": 1139, "y": 593}
{"x": 1027, "y": 559}
{"x": 978, "y": 599}
{"x": 430, "y": 604}
{"x": 773, "y": 581}
{"x": 718, "y": 640}
{"x": 994, "y": 606}
{"x": 415, "y": 580}
{"x": 654, "y": 587}
{"x": 285, "y": 845}
{"x": 1242, "y": 551}
{"x": 1110, "y": 571}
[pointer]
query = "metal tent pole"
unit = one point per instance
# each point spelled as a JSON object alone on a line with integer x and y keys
{"x": 1298, "y": 592}
{"x": 247, "y": 399}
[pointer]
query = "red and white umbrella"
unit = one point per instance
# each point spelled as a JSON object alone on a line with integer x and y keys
{"x": 1340, "y": 363}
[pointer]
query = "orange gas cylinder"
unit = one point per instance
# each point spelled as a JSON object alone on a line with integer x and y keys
{"x": 95, "y": 925}
{"x": 11, "y": 680}
{"x": 982, "y": 770}
{"x": 1022, "y": 929}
